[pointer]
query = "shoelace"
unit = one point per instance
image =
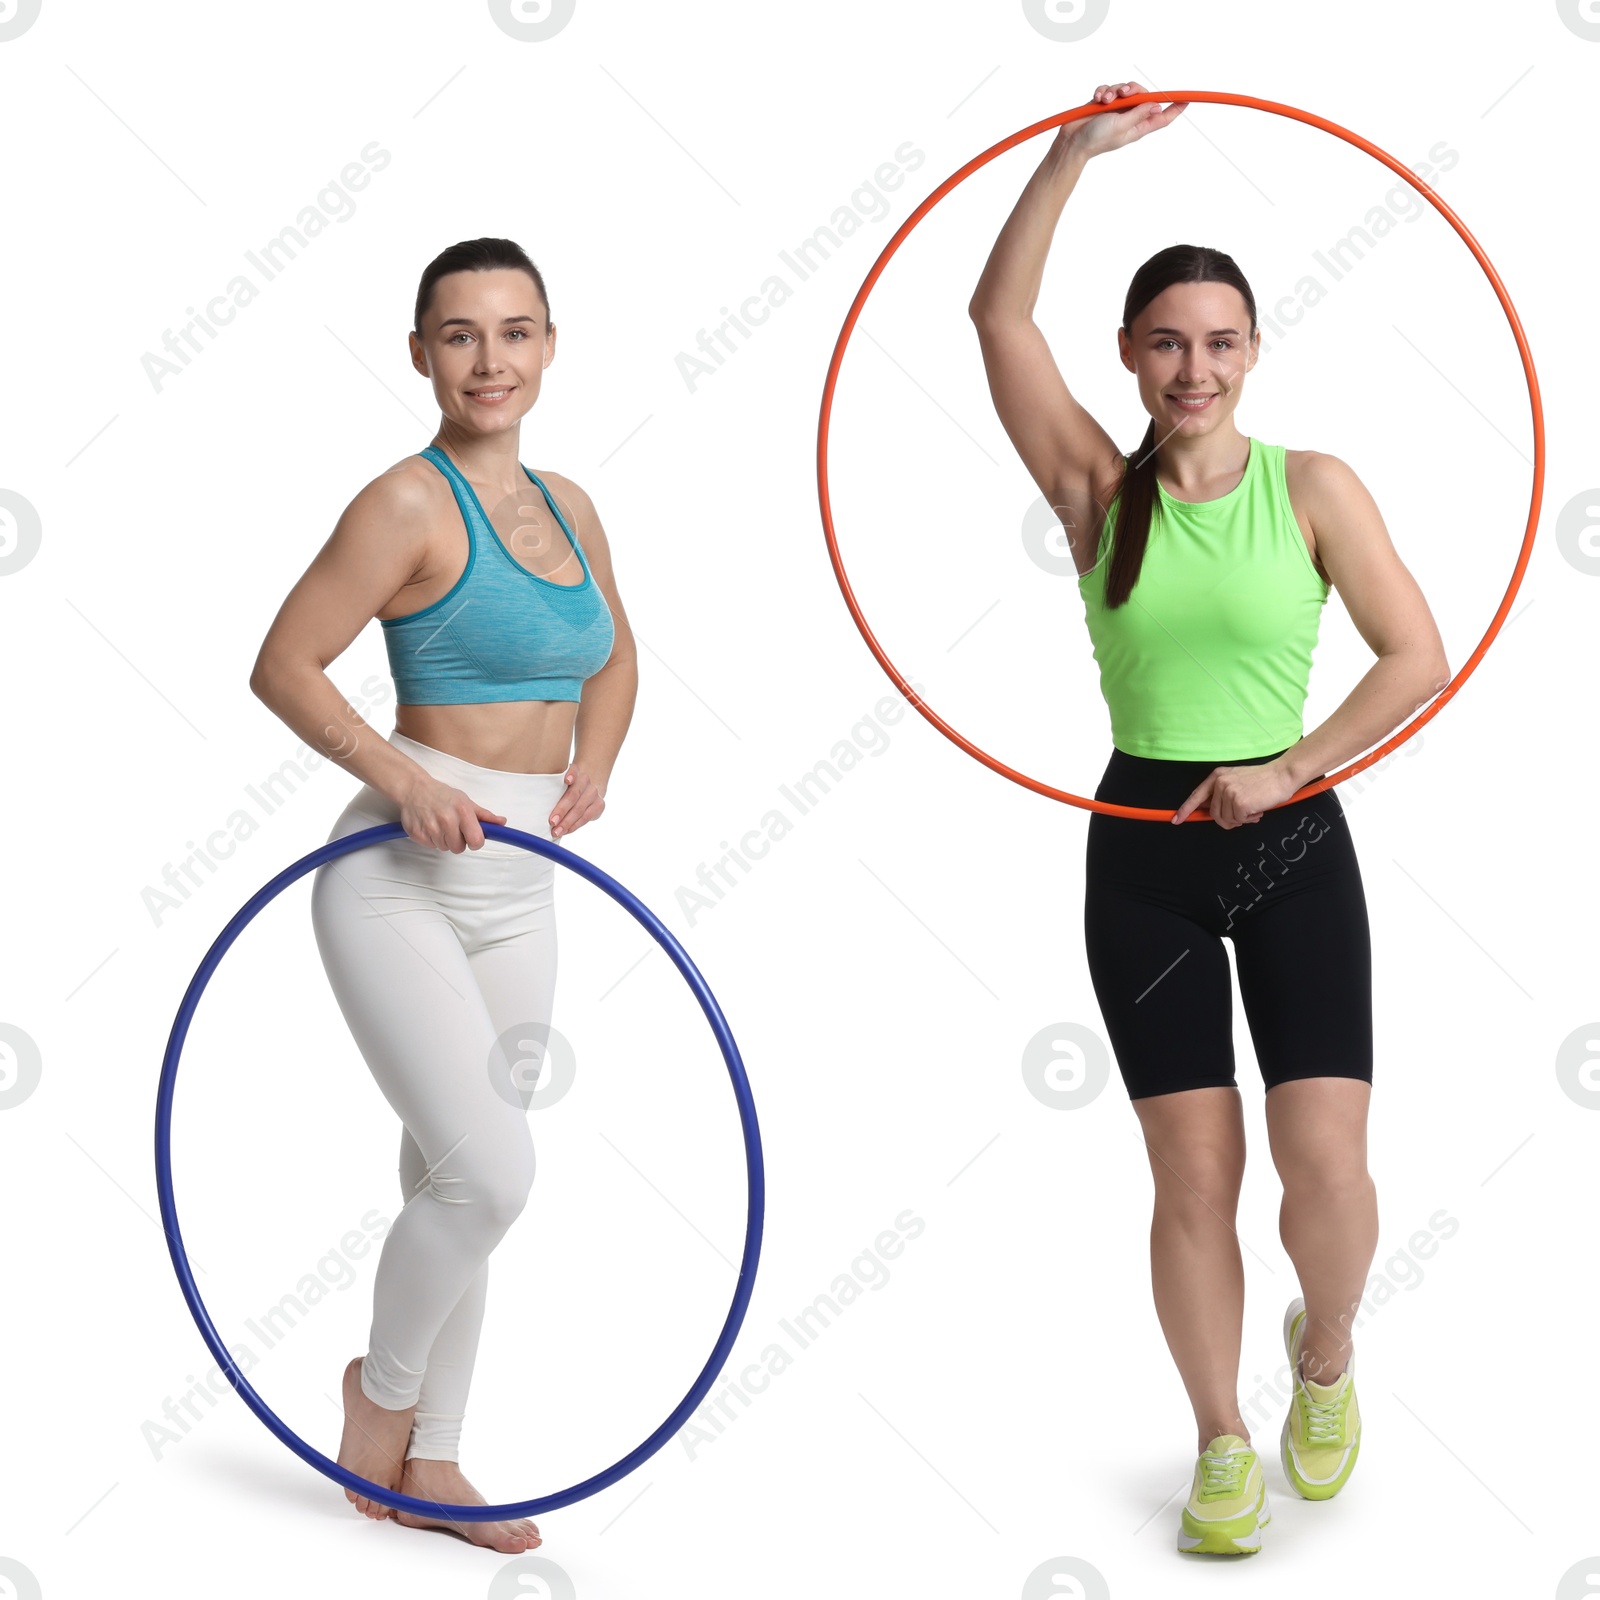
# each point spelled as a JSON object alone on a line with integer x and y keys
{"x": 1222, "y": 1476}
{"x": 1323, "y": 1420}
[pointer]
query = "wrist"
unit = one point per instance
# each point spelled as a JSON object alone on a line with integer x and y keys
{"x": 1294, "y": 766}
{"x": 405, "y": 786}
{"x": 1067, "y": 150}
{"x": 599, "y": 776}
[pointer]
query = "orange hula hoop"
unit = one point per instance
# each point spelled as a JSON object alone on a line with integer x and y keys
{"x": 1166, "y": 97}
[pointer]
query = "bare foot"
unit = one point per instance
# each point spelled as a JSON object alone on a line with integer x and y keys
{"x": 443, "y": 1481}
{"x": 374, "y": 1442}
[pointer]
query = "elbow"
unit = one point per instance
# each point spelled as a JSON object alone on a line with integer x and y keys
{"x": 263, "y": 678}
{"x": 981, "y": 308}
{"x": 982, "y": 313}
{"x": 988, "y": 317}
{"x": 1433, "y": 677}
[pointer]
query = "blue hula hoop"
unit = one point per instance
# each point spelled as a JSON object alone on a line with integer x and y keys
{"x": 754, "y": 1167}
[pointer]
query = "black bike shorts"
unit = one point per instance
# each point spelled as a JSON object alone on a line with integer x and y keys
{"x": 1159, "y": 900}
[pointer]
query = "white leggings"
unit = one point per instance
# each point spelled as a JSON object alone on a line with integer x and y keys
{"x": 444, "y": 967}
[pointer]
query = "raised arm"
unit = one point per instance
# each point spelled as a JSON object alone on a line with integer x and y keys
{"x": 1066, "y": 452}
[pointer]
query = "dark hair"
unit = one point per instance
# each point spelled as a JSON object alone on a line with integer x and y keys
{"x": 475, "y": 255}
{"x": 1178, "y": 263}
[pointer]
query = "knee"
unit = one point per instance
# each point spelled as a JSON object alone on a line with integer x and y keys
{"x": 501, "y": 1196}
{"x": 1201, "y": 1181}
{"x": 493, "y": 1187}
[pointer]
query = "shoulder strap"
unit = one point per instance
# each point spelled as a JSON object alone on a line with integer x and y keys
{"x": 442, "y": 462}
{"x": 461, "y": 489}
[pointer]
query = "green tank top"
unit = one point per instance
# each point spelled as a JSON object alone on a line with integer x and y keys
{"x": 1209, "y": 657}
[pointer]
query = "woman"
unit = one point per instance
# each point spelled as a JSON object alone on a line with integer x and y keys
{"x": 1203, "y": 582}
{"x": 506, "y": 638}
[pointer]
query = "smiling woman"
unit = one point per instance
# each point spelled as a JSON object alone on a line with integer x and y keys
{"x": 509, "y": 646}
{"x": 1208, "y": 559}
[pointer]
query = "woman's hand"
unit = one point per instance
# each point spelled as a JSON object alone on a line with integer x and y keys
{"x": 583, "y": 802}
{"x": 1110, "y": 130}
{"x": 1235, "y": 795}
{"x": 434, "y": 813}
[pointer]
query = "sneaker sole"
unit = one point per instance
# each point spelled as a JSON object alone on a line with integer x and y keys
{"x": 1309, "y": 1489}
{"x": 1238, "y": 1536}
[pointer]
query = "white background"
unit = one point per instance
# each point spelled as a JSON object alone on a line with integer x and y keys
{"x": 1002, "y": 1399}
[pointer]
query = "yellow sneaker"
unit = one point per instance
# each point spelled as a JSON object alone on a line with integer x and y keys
{"x": 1322, "y": 1432}
{"x": 1227, "y": 1506}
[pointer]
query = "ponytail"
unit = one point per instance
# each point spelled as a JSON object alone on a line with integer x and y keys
{"x": 1135, "y": 512}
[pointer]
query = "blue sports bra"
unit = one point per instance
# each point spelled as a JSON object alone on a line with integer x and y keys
{"x": 502, "y": 632}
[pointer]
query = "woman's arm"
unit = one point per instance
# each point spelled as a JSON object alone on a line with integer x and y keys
{"x": 373, "y": 551}
{"x": 1385, "y": 604}
{"x": 1389, "y": 612}
{"x": 606, "y": 706}
{"x": 1066, "y": 452}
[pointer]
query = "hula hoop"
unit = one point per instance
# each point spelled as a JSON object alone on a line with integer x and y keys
{"x": 753, "y": 1165}
{"x": 1164, "y": 97}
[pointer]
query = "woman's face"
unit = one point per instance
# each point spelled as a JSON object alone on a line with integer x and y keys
{"x": 485, "y": 332}
{"x": 1192, "y": 341}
